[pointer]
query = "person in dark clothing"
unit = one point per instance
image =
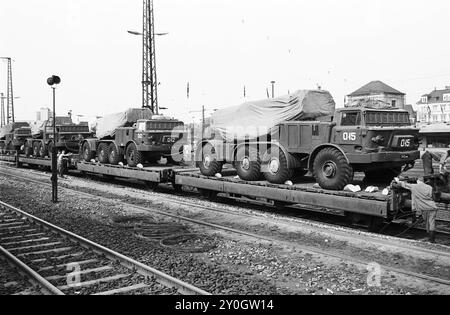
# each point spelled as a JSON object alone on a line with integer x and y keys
{"x": 423, "y": 204}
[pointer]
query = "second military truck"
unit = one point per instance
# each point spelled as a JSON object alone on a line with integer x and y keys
{"x": 304, "y": 133}
{"x": 136, "y": 136}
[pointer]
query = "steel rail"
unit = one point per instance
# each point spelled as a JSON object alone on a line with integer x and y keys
{"x": 46, "y": 286}
{"x": 144, "y": 270}
{"x": 304, "y": 248}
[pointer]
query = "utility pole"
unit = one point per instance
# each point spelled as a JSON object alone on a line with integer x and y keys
{"x": 273, "y": 88}
{"x": 149, "y": 79}
{"x": 2, "y": 114}
{"x": 9, "y": 93}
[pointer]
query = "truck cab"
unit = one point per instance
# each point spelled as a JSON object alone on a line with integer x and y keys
{"x": 16, "y": 137}
{"x": 375, "y": 139}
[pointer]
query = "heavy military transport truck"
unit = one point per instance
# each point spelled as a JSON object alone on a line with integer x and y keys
{"x": 137, "y": 136}
{"x": 330, "y": 144}
{"x": 14, "y": 135}
{"x": 68, "y": 137}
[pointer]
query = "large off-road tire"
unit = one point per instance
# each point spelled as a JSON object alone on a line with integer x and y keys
{"x": 209, "y": 166}
{"x": 275, "y": 166}
{"x": 248, "y": 163}
{"x": 87, "y": 153}
{"x": 36, "y": 149}
{"x": 331, "y": 169}
{"x": 27, "y": 150}
{"x": 42, "y": 150}
{"x": 134, "y": 157}
{"x": 103, "y": 153}
{"x": 386, "y": 175}
{"x": 114, "y": 155}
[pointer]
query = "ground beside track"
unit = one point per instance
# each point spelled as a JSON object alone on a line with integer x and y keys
{"x": 12, "y": 283}
{"x": 232, "y": 267}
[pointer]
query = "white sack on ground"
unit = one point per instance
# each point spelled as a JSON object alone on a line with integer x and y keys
{"x": 255, "y": 119}
{"x": 107, "y": 125}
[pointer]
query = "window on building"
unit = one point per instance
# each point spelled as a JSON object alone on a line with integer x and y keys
{"x": 394, "y": 103}
{"x": 438, "y": 98}
{"x": 424, "y": 99}
{"x": 447, "y": 97}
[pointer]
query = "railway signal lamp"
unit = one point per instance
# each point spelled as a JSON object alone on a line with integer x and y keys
{"x": 53, "y": 81}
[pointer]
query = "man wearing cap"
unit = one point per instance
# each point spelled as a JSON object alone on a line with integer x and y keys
{"x": 423, "y": 204}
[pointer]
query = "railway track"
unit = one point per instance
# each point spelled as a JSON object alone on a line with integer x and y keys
{"x": 288, "y": 243}
{"x": 64, "y": 263}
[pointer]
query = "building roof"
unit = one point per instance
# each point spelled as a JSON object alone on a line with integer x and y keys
{"x": 437, "y": 96}
{"x": 376, "y": 87}
{"x": 410, "y": 109}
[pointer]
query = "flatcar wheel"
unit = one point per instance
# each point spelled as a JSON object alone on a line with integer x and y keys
{"x": 177, "y": 188}
{"x": 208, "y": 194}
{"x": 151, "y": 185}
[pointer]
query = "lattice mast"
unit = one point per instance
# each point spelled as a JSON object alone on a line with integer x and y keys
{"x": 2, "y": 108}
{"x": 149, "y": 79}
{"x": 9, "y": 93}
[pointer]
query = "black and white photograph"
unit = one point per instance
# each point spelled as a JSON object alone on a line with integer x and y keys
{"x": 224, "y": 155}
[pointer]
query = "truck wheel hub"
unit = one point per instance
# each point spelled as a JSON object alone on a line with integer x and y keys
{"x": 274, "y": 166}
{"x": 207, "y": 161}
{"x": 329, "y": 169}
{"x": 246, "y": 163}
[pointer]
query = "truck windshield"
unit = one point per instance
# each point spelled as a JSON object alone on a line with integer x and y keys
{"x": 141, "y": 125}
{"x": 351, "y": 119}
{"x": 388, "y": 119}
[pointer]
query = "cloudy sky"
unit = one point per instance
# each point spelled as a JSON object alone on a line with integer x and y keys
{"x": 219, "y": 46}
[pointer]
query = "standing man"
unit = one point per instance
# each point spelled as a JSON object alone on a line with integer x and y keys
{"x": 444, "y": 164}
{"x": 423, "y": 204}
{"x": 62, "y": 164}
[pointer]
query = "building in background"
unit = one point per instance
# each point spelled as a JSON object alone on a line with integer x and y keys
{"x": 377, "y": 91}
{"x": 434, "y": 107}
{"x": 412, "y": 114}
{"x": 43, "y": 114}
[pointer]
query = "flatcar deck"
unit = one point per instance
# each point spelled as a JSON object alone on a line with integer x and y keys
{"x": 303, "y": 193}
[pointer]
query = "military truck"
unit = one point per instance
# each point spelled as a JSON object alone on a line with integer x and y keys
{"x": 68, "y": 137}
{"x": 136, "y": 136}
{"x": 378, "y": 142}
{"x": 14, "y": 135}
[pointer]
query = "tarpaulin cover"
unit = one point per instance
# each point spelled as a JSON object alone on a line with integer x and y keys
{"x": 107, "y": 125}
{"x": 37, "y": 127}
{"x": 370, "y": 103}
{"x": 256, "y": 119}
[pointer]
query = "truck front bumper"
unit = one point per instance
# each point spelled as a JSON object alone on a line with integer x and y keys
{"x": 381, "y": 157}
{"x": 165, "y": 148}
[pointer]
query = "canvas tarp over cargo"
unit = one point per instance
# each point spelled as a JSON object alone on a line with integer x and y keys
{"x": 107, "y": 125}
{"x": 256, "y": 119}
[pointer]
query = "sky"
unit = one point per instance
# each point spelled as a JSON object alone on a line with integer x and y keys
{"x": 219, "y": 46}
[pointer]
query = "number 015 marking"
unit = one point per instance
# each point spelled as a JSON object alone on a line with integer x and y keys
{"x": 349, "y": 136}
{"x": 405, "y": 143}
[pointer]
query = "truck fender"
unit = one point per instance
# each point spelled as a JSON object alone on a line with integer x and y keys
{"x": 92, "y": 144}
{"x": 317, "y": 149}
{"x": 128, "y": 144}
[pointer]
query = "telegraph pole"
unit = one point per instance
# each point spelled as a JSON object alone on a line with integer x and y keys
{"x": 149, "y": 79}
{"x": 9, "y": 93}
